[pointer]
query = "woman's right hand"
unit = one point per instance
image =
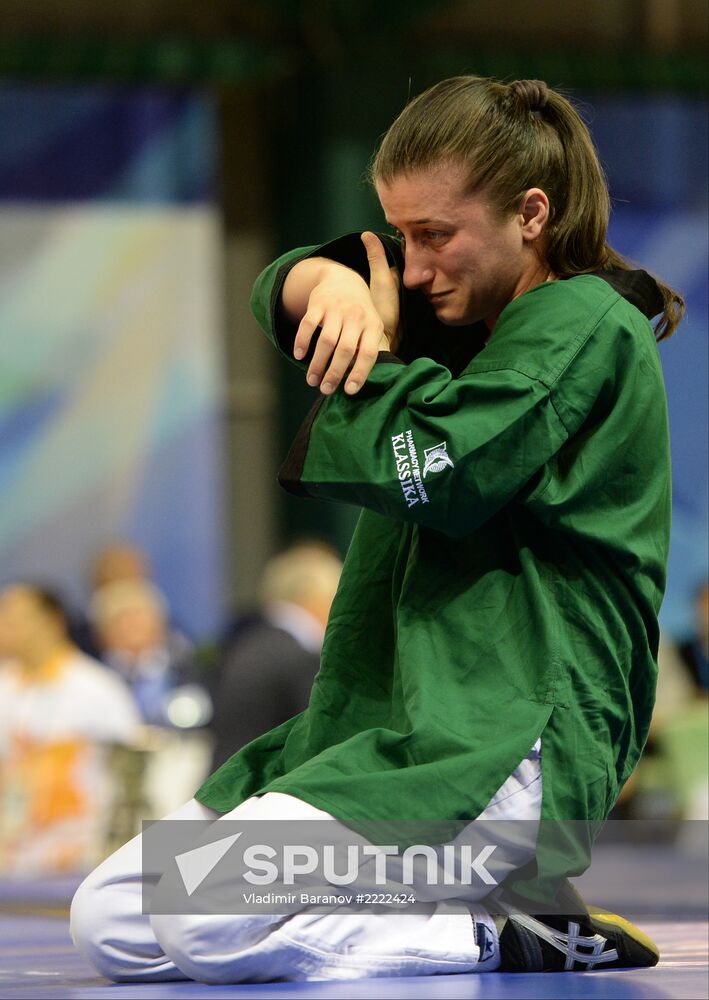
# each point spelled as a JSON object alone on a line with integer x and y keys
{"x": 356, "y": 320}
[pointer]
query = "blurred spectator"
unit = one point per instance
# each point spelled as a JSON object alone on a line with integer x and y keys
{"x": 110, "y": 563}
{"x": 59, "y": 712}
{"x": 119, "y": 561}
{"x": 130, "y": 620}
{"x": 694, "y": 653}
{"x": 670, "y": 782}
{"x": 268, "y": 667}
{"x": 683, "y": 736}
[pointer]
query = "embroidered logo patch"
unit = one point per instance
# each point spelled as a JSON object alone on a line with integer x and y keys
{"x": 436, "y": 459}
{"x": 408, "y": 471}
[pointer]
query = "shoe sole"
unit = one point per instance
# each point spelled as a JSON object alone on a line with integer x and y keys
{"x": 607, "y": 921}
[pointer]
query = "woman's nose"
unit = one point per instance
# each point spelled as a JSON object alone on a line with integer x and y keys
{"x": 417, "y": 271}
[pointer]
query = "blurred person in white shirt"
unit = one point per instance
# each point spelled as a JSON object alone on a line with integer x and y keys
{"x": 131, "y": 624}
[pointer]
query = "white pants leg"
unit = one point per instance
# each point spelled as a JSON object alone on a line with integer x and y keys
{"x": 107, "y": 922}
{"x": 126, "y": 945}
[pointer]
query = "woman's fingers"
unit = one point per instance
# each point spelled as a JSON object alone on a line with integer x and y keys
{"x": 342, "y": 357}
{"x": 383, "y": 283}
{"x": 331, "y": 364}
{"x": 369, "y": 347}
{"x": 376, "y": 256}
{"x": 351, "y": 326}
{"x": 326, "y": 347}
{"x": 306, "y": 328}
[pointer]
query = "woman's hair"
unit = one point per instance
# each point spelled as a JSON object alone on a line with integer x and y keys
{"x": 510, "y": 137}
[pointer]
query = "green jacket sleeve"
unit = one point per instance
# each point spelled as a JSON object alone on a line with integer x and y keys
{"x": 418, "y": 445}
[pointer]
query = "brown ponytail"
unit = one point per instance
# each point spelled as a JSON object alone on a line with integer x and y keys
{"x": 511, "y": 137}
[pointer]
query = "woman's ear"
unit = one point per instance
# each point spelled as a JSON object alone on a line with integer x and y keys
{"x": 534, "y": 210}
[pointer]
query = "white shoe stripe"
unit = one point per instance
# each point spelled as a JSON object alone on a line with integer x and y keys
{"x": 569, "y": 944}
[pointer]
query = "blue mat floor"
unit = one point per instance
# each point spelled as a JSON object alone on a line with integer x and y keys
{"x": 659, "y": 888}
{"x": 38, "y": 960}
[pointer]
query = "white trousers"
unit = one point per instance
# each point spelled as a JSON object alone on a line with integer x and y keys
{"x": 126, "y": 945}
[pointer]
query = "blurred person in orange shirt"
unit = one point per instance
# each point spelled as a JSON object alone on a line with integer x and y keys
{"x": 60, "y": 710}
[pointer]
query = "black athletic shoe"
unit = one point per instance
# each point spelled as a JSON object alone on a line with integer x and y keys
{"x": 598, "y": 941}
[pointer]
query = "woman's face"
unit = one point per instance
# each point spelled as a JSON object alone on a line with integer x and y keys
{"x": 467, "y": 260}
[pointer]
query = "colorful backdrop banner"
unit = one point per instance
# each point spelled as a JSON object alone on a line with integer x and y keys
{"x": 110, "y": 340}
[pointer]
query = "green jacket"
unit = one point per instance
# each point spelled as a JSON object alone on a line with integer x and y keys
{"x": 506, "y": 573}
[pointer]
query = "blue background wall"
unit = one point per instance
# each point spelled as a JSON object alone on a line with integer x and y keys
{"x": 654, "y": 151}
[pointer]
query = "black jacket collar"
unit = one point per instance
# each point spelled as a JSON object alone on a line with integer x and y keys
{"x": 638, "y": 287}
